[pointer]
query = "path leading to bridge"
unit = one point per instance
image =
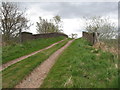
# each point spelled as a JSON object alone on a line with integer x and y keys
{"x": 37, "y": 76}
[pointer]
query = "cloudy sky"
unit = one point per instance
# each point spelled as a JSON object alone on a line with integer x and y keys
{"x": 71, "y": 13}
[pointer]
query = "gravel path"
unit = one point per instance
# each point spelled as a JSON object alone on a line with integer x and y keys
{"x": 35, "y": 79}
{"x": 26, "y": 56}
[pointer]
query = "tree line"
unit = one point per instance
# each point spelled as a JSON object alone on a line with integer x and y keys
{"x": 13, "y": 21}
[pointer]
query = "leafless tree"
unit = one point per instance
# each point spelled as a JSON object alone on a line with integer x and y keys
{"x": 58, "y": 23}
{"x": 103, "y": 26}
{"x": 12, "y": 21}
{"x": 73, "y": 35}
{"x": 45, "y": 26}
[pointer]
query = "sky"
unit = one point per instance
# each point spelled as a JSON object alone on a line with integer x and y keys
{"x": 71, "y": 13}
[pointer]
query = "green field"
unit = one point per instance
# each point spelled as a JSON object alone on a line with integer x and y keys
{"x": 16, "y": 72}
{"x": 15, "y": 51}
{"x": 81, "y": 66}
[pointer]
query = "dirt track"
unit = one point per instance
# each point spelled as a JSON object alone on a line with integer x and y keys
{"x": 26, "y": 56}
{"x": 35, "y": 79}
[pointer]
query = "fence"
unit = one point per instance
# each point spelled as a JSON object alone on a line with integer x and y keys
{"x": 25, "y": 36}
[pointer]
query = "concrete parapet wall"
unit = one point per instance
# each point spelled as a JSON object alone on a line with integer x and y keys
{"x": 29, "y": 36}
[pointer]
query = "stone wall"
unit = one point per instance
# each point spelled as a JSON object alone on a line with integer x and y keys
{"x": 29, "y": 36}
{"x": 90, "y": 37}
{"x": 25, "y": 36}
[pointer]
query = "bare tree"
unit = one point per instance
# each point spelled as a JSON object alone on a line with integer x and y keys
{"x": 58, "y": 23}
{"x": 100, "y": 25}
{"x": 12, "y": 21}
{"x": 45, "y": 26}
{"x": 73, "y": 35}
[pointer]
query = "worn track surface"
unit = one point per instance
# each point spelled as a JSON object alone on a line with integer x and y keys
{"x": 26, "y": 56}
{"x": 35, "y": 79}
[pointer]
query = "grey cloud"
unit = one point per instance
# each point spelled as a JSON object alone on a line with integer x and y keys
{"x": 78, "y": 10}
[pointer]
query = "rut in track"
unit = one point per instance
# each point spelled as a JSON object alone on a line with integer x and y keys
{"x": 35, "y": 79}
{"x": 26, "y": 56}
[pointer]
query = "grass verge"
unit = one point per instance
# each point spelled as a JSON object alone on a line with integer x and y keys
{"x": 81, "y": 66}
{"x": 15, "y": 51}
{"x": 16, "y": 72}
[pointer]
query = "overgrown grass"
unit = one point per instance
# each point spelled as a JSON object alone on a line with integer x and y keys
{"x": 15, "y": 51}
{"x": 111, "y": 42}
{"x": 16, "y": 72}
{"x": 81, "y": 66}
